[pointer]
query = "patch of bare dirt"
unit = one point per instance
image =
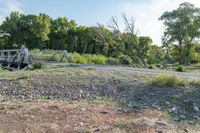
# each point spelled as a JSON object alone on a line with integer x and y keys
{"x": 64, "y": 117}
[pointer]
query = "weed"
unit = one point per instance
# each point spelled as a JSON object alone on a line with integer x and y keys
{"x": 112, "y": 61}
{"x": 179, "y": 69}
{"x": 38, "y": 65}
{"x": 165, "y": 80}
{"x": 151, "y": 67}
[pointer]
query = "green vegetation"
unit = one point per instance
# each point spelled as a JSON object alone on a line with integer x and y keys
{"x": 179, "y": 69}
{"x": 38, "y": 65}
{"x": 164, "y": 80}
{"x": 151, "y": 67}
{"x": 95, "y": 44}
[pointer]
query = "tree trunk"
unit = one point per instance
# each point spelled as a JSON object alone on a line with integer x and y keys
{"x": 180, "y": 53}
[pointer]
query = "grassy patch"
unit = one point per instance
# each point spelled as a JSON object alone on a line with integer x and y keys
{"x": 179, "y": 69}
{"x": 3, "y": 70}
{"x": 14, "y": 78}
{"x": 165, "y": 80}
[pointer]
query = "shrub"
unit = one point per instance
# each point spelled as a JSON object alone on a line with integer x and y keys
{"x": 124, "y": 59}
{"x": 136, "y": 66}
{"x": 179, "y": 69}
{"x": 112, "y": 61}
{"x": 151, "y": 67}
{"x": 87, "y": 58}
{"x": 2, "y": 70}
{"x": 165, "y": 80}
{"x": 97, "y": 59}
{"x": 77, "y": 58}
{"x": 38, "y": 65}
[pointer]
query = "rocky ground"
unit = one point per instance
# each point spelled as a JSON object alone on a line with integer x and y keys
{"x": 74, "y": 99}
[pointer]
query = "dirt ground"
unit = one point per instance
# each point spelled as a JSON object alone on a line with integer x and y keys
{"x": 88, "y": 100}
{"x": 103, "y": 116}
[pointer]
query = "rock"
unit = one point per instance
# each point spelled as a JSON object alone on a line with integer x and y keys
{"x": 96, "y": 130}
{"x": 161, "y": 123}
{"x": 196, "y": 109}
{"x": 174, "y": 109}
{"x": 182, "y": 116}
{"x": 2, "y": 107}
{"x": 104, "y": 112}
{"x": 159, "y": 131}
{"x": 196, "y": 117}
{"x": 186, "y": 130}
{"x": 81, "y": 123}
{"x": 144, "y": 122}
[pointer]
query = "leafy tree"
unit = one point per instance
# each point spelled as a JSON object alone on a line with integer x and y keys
{"x": 182, "y": 27}
{"x": 155, "y": 54}
{"x": 59, "y": 32}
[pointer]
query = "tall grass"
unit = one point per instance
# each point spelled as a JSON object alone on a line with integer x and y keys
{"x": 165, "y": 80}
{"x": 76, "y": 58}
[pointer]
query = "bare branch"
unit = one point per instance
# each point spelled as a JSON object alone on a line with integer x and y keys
{"x": 114, "y": 24}
{"x": 130, "y": 25}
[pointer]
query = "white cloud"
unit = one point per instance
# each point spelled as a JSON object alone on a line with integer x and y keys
{"x": 8, "y": 6}
{"x": 146, "y": 15}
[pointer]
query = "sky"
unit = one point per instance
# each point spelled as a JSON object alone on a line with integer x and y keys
{"x": 91, "y": 12}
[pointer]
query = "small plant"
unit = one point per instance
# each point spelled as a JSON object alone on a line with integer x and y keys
{"x": 179, "y": 69}
{"x": 112, "y": 61}
{"x": 38, "y": 65}
{"x": 136, "y": 66}
{"x": 126, "y": 60}
{"x": 165, "y": 80}
{"x": 151, "y": 67}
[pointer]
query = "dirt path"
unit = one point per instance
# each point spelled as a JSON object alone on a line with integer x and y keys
{"x": 148, "y": 71}
{"x": 135, "y": 70}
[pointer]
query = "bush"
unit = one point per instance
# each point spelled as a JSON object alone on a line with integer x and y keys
{"x": 179, "y": 69}
{"x": 112, "y": 61}
{"x": 87, "y": 58}
{"x": 151, "y": 67}
{"x": 77, "y": 58}
{"x": 38, "y": 65}
{"x": 124, "y": 59}
{"x": 136, "y": 66}
{"x": 97, "y": 59}
{"x": 164, "y": 80}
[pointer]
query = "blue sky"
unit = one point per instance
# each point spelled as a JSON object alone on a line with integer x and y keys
{"x": 91, "y": 12}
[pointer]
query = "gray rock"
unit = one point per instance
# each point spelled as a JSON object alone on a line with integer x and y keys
{"x": 182, "y": 116}
{"x": 161, "y": 123}
{"x": 174, "y": 109}
{"x": 186, "y": 130}
{"x": 196, "y": 109}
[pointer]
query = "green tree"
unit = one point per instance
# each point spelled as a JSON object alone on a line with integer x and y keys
{"x": 155, "y": 54}
{"x": 181, "y": 27}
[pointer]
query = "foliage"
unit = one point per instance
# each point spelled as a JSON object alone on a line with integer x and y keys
{"x": 38, "y": 65}
{"x": 151, "y": 67}
{"x": 124, "y": 59}
{"x": 112, "y": 61}
{"x": 93, "y": 44}
{"x": 88, "y": 59}
{"x": 179, "y": 69}
{"x": 164, "y": 80}
{"x": 182, "y": 29}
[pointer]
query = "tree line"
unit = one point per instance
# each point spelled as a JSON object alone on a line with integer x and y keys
{"x": 180, "y": 40}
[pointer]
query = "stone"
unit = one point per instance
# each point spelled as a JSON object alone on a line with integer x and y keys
{"x": 96, "y": 130}
{"x": 186, "y": 130}
{"x": 174, "y": 109}
{"x": 196, "y": 109}
{"x": 182, "y": 116}
{"x": 104, "y": 112}
{"x": 161, "y": 123}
